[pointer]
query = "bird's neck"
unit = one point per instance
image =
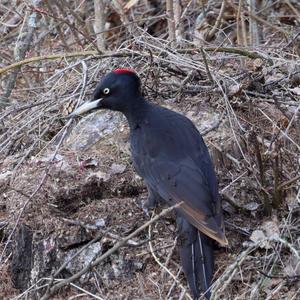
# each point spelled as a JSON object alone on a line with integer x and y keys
{"x": 136, "y": 113}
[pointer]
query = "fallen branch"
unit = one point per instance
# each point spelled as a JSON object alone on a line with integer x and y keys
{"x": 240, "y": 51}
{"x": 95, "y": 53}
{"x": 61, "y": 56}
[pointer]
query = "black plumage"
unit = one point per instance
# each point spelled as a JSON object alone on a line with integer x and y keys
{"x": 170, "y": 155}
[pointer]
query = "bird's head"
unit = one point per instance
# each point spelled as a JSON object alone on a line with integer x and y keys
{"x": 118, "y": 90}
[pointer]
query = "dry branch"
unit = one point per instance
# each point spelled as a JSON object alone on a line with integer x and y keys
{"x": 99, "y": 24}
{"x": 61, "y": 56}
{"x": 212, "y": 32}
{"x": 243, "y": 52}
{"x": 260, "y": 20}
{"x": 255, "y": 30}
{"x": 171, "y": 21}
{"x": 21, "y": 48}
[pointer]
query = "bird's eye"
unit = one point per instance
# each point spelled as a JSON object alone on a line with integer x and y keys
{"x": 106, "y": 91}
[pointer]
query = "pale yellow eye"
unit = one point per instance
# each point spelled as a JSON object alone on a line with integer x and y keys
{"x": 106, "y": 91}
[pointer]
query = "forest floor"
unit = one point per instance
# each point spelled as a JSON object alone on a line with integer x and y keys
{"x": 69, "y": 185}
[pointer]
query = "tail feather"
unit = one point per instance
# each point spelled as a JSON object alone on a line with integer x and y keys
{"x": 197, "y": 257}
{"x": 205, "y": 262}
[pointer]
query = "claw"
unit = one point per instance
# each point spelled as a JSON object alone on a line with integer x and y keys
{"x": 145, "y": 209}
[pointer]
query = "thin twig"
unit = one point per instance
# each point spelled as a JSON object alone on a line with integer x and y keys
{"x": 217, "y": 23}
{"x": 206, "y": 66}
{"x": 165, "y": 268}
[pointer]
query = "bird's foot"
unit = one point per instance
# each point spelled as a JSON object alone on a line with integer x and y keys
{"x": 148, "y": 204}
{"x": 145, "y": 210}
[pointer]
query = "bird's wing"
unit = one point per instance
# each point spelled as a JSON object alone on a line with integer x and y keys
{"x": 184, "y": 181}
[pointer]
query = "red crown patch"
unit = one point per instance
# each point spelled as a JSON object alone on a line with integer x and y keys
{"x": 124, "y": 71}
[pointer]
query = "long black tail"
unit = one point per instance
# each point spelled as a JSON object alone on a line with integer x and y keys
{"x": 197, "y": 257}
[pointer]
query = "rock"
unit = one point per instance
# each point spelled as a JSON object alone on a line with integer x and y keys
{"x": 22, "y": 258}
{"x": 268, "y": 232}
{"x": 100, "y": 223}
{"x": 117, "y": 168}
{"x": 118, "y": 267}
{"x": 259, "y": 237}
{"x": 83, "y": 259}
{"x": 99, "y": 175}
{"x": 251, "y": 206}
{"x": 94, "y": 127}
{"x": 4, "y": 177}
